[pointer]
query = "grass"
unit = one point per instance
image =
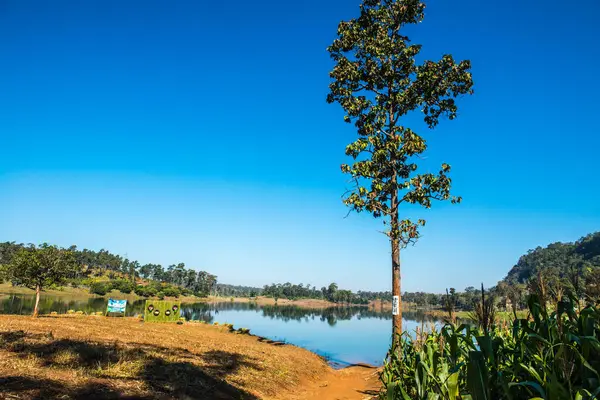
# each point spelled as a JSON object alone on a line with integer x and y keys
{"x": 83, "y": 293}
{"x": 77, "y": 356}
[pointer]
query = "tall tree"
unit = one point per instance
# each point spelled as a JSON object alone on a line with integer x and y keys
{"x": 377, "y": 82}
{"x": 38, "y": 268}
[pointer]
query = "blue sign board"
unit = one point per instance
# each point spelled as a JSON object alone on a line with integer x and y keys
{"x": 116, "y": 306}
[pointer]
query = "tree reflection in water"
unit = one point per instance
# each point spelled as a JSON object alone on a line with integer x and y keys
{"x": 23, "y": 304}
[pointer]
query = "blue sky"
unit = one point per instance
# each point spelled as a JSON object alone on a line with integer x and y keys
{"x": 198, "y": 132}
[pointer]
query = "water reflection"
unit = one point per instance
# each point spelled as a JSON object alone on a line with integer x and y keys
{"x": 23, "y": 304}
{"x": 342, "y": 334}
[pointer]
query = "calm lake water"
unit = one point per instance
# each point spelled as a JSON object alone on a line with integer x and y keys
{"x": 344, "y": 335}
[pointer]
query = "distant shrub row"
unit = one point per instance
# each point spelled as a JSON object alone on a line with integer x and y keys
{"x": 154, "y": 289}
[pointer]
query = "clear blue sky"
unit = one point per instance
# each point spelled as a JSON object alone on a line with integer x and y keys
{"x": 198, "y": 132}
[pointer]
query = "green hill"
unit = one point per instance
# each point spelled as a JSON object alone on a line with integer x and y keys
{"x": 559, "y": 258}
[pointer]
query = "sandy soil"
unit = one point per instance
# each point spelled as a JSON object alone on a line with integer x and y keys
{"x": 80, "y": 357}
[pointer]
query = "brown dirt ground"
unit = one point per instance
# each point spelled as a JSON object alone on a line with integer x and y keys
{"x": 81, "y": 357}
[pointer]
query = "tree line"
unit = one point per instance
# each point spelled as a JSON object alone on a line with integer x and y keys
{"x": 48, "y": 266}
{"x": 44, "y": 266}
{"x": 330, "y": 293}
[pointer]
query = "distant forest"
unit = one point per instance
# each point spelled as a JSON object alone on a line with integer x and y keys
{"x": 564, "y": 269}
{"x": 103, "y": 271}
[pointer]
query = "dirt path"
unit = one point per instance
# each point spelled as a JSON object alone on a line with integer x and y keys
{"x": 352, "y": 383}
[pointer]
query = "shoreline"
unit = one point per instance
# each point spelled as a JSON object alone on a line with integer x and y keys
{"x": 385, "y": 306}
{"x": 81, "y": 293}
{"x": 61, "y": 355}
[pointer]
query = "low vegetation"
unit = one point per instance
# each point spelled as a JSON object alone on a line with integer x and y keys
{"x": 545, "y": 345}
{"x": 554, "y": 353}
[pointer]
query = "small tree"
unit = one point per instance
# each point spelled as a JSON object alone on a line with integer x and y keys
{"x": 377, "y": 82}
{"x": 38, "y": 268}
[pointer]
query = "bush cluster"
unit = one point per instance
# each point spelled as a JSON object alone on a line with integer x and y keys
{"x": 154, "y": 289}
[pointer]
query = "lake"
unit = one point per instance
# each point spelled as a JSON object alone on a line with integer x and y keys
{"x": 343, "y": 335}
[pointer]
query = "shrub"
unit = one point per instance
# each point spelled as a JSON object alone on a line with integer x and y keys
{"x": 171, "y": 291}
{"x": 146, "y": 291}
{"x": 123, "y": 286}
{"x": 160, "y": 295}
{"x": 100, "y": 288}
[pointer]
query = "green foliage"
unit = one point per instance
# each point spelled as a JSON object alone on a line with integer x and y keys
{"x": 378, "y": 83}
{"x": 40, "y": 267}
{"x": 146, "y": 291}
{"x": 116, "y": 268}
{"x": 226, "y": 290}
{"x": 123, "y": 286}
{"x": 549, "y": 356}
{"x": 559, "y": 259}
{"x": 331, "y": 293}
{"x": 171, "y": 291}
{"x": 100, "y": 288}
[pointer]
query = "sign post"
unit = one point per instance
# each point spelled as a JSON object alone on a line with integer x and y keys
{"x": 116, "y": 307}
{"x": 395, "y": 303}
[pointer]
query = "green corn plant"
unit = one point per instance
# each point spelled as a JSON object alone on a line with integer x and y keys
{"x": 551, "y": 355}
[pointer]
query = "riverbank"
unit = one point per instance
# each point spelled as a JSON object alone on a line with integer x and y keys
{"x": 75, "y": 356}
{"x": 263, "y": 301}
{"x": 83, "y": 293}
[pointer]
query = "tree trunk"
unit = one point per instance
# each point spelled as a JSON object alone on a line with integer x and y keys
{"x": 396, "y": 294}
{"x": 395, "y": 241}
{"x": 37, "y": 301}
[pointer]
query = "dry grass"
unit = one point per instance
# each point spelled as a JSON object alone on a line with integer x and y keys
{"x": 89, "y": 357}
